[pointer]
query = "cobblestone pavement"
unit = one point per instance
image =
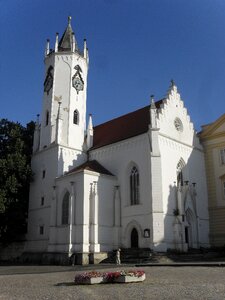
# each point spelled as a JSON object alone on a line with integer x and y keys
{"x": 52, "y": 282}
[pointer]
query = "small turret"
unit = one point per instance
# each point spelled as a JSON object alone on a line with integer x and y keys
{"x": 85, "y": 49}
{"x": 90, "y": 133}
{"x": 73, "y": 42}
{"x": 153, "y": 113}
{"x": 56, "y": 42}
{"x": 47, "y": 48}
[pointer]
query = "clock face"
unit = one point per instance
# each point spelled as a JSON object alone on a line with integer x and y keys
{"x": 78, "y": 84}
{"x": 178, "y": 124}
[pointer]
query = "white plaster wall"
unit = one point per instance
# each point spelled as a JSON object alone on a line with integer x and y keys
{"x": 105, "y": 192}
{"x": 219, "y": 171}
{"x": 41, "y": 187}
{"x": 72, "y": 134}
{"x": 175, "y": 145}
{"x": 63, "y": 185}
{"x": 119, "y": 159}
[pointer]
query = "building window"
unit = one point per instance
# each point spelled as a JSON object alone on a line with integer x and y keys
{"x": 41, "y": 230}
{"x": 180, "y": 181}
{"x": 42, "y": 201}
{"x": 43, "y": 173}
{"x": 65, "y": 209}
{"x": 134, "y": 186}
{"x": 222, "y": 156}
{"x": 47, "y": 118}
{"x": 76, "y": 117}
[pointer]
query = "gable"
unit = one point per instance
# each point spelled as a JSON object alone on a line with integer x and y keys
{"x": 174, "y": 121}
{"x": 214, "y": 129}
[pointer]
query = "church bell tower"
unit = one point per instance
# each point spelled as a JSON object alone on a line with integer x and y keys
{"x": 63, "y": 119}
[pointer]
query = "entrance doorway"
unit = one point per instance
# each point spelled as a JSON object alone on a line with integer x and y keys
{"x": 134, "y": 238}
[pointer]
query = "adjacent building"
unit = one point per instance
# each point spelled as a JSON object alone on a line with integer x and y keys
{"x": 213, "y": 140}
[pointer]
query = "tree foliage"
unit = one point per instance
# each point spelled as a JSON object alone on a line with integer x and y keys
{"x": 15, "y": 177}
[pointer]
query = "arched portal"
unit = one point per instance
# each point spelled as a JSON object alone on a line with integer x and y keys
{"x": 134, "y": 238}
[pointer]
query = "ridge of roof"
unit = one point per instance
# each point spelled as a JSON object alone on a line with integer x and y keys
{"x": 91, "y": 165}
{"x": 123, "y": 127}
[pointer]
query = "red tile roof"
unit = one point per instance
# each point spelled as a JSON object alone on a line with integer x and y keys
{"x": 124, "y": 127}
{"x": 92, "y": 165}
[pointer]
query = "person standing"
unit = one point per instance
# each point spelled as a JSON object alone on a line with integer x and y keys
{"x": 118, "y": 261}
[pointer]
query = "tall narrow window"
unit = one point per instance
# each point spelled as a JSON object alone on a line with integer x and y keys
{"x": 47, "y": 118}
{"x": 224, "y": 189}
{"x": 76, "y": 117}
{"x": 134, "y": 186}
{"x": 180, "y": 181}
{"x": 65, "y": 209}
{"x": 222, "y": 156}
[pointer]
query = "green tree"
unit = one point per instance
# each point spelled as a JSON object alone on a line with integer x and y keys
{"x": 15, "y": 177}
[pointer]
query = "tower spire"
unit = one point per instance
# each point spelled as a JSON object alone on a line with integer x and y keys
{"x": 68, "y": 41}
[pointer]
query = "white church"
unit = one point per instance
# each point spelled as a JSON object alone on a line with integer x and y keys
{"x": 137, "y": 181}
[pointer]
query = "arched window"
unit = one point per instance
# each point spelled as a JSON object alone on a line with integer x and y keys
{"x": 134, "y": 186}
{"x": 76, "y": 117}
{"x": 47, "y": 118}
{"x": 65, "y": 209}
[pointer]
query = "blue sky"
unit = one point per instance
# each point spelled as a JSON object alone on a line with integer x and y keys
{"x": 136, "y": 47}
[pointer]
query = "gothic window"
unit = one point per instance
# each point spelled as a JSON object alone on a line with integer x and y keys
{"x": 65, "y": 209}
{"x": 43, "y": 174}
{"x": 47, "y": 118}
{"x": 134, "y": 186}
{"x": 222, "y": 156}
{"x": 76, "y": 117}
{"x": 180, "y": 181}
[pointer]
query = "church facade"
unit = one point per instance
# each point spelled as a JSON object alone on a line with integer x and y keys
{"x": 137, "y": 181}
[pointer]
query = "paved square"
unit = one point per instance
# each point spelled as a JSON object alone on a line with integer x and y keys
{"x": 54, "y": 282}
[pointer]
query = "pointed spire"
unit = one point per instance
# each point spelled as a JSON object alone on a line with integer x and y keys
{"x": 85, "y": 48}
{"x": 67, "y": 41}
{"x": 90, "y": 133}
{"x": 73, "y": 42}
{"x": 152, "y": 101}
{"x": 153, "y": 113}
{"x": 47, "y": 48}
{"x": 56, "y": 42}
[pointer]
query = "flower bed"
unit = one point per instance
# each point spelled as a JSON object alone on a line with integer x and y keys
{"x": 122, "y": 276}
